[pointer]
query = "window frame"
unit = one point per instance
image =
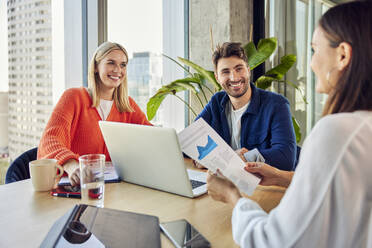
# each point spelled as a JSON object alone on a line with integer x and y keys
{"x": 175, "y": 44}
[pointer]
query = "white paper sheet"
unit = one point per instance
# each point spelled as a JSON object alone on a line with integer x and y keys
{"x": 202, "y": 143}
{"x": 110, "y": 175}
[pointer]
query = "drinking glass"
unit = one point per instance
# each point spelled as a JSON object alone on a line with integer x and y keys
{"x": 92, "y": 182}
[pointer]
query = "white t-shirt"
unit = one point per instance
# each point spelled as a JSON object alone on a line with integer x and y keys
{"x": 104, "y": 108}
{"x": 234, "y": 118}
{"x": 329, "y": 201}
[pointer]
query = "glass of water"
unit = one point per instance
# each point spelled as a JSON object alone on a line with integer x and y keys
{"x": 92, "y": 181}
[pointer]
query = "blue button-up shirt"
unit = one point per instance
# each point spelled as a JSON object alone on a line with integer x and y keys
{"x": 265, "y": 125}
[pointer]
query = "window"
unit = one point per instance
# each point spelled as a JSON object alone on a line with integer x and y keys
{"x": 293, "y": 23}
{"x": 143, "y": 28}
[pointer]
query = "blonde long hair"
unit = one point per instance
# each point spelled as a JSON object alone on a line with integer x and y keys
{"x": 120, "y": 95}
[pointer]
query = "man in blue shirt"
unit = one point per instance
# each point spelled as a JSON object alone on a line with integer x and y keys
{"x": 247, "y": 117}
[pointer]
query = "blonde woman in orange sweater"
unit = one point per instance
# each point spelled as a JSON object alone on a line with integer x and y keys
{"x": 73, "y": 128}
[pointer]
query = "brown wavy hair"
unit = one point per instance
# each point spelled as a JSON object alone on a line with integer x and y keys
{"x": 228, "y": 49}
{"x": 351, "y": 23}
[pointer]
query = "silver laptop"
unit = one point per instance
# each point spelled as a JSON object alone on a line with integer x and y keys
{"x": 152, "y": 157}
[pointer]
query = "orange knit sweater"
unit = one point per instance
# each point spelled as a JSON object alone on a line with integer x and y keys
{"x": 73, "y": 129}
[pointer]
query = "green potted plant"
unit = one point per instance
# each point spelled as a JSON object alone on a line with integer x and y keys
{"x": 202, "y": 80}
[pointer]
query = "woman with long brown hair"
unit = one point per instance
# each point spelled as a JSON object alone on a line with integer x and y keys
{"x": 328, "y": 201}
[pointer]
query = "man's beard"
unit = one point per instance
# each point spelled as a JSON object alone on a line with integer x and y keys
{"x": 231, "y": 92}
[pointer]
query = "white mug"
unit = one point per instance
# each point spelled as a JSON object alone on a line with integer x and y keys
{"x": 43, "y": 173}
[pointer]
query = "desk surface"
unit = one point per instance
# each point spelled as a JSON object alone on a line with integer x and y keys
{"x": 26, "y": 216}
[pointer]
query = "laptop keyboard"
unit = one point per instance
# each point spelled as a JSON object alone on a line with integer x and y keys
{"x": 195, "y": 184}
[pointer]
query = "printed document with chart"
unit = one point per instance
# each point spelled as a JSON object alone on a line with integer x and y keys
{"x": 203, "y": 144}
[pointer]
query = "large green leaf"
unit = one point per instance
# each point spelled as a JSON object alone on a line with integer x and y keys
{"x": 250, "y": 49}
{"x": 286, "y": 62}
{"x": 196, "y": 84}
{"x": 264, "y": 82}
{"x": 202, "y": 80}
{"x": 209, "y": 75}
{"x": 297, "y": 130}
{"x": 191, "y": 83}
{"x": 186, "y": 85}
{"x": 265, "y": 48}
{"x": 153, "y": 105}
{"x": 217, "y": 86}
{"x": 188, "y": 80}
{"x": 277, "y": 73}
{"x": 155, "y": 101}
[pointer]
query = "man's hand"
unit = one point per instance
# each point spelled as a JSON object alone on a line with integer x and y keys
{"x": 73, "y": 170}
{"x": 241, "y": 152}
{"x": 221, "y": 189}
{"x": 269, "y": 175}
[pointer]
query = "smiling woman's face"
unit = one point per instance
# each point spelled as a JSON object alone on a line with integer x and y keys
{"x": 324, "y": 62}
{"x": 112, "y": 69}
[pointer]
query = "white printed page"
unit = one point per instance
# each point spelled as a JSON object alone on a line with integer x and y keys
{"x": 110, "y": 175}
{"x": 203, "y": 144}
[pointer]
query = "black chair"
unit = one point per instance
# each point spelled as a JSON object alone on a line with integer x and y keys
{"x": 19, "y": 169}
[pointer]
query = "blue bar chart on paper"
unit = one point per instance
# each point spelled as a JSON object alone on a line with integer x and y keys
{"x": 205, "y": 150}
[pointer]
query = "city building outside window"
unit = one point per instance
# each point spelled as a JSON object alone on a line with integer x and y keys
{"x": 147, "y": 29}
